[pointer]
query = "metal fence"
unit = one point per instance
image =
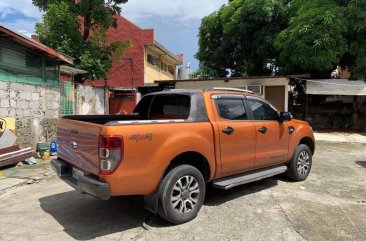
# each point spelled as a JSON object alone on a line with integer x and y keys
{"x": 67, "y": 98}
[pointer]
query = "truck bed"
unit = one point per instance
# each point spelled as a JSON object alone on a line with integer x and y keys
{"x": 103, "y": 119}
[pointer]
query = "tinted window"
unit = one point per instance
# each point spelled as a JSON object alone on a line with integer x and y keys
{"x": 170, "y": 106}
{"x": 143, "y": 106}
{"x": 231, "y": 109}
{"x": 262, "y": 111}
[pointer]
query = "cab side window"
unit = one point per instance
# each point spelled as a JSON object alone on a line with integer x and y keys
{"x": 262, "y": 110}
{"x": 231, "y": 109}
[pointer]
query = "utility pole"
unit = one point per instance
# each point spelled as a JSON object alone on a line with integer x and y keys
{"x": 106, "y": 96}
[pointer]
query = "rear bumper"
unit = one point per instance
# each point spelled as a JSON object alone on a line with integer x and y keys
{"x": 85, "y": 184}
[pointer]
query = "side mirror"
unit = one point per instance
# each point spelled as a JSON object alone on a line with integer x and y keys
{"x": 285, "y": 116}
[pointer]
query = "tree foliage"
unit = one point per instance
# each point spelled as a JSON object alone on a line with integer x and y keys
{"x": 314, "y": 39}
{"x": 204, "y": 72}
{"x": 78, "y": 29}
{"x": 240, "y": 36}
{"x": 261, "y": 37}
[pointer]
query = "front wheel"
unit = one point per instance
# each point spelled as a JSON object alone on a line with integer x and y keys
{"x": 300, "y": 164}
{"x": 182, "y": 195}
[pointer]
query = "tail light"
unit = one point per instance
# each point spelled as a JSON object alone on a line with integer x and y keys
{"x": 110, "y": 153}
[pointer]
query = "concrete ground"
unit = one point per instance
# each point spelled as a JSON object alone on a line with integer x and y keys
{"x": 341, "y": 137}
{"x": 11, "y": 178}
{"x": 329, "y": 205}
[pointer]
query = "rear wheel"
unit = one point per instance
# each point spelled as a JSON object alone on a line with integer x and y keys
{"x": 182, "y": 194}
{"x": 300, "y": 165}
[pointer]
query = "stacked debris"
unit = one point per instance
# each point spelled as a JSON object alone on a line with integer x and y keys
{"x": 11, "y": 154}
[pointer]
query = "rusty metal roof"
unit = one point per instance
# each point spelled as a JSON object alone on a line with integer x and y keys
{"x": 335, "y": 87}
{"x": 9, "y": 33}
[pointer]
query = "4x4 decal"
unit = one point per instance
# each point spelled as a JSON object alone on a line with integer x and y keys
{"x": 141, "y": 137}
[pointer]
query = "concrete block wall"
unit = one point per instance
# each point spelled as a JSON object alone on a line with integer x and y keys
{"x": 36, "y": 109}
{"x": 89, "y": 100}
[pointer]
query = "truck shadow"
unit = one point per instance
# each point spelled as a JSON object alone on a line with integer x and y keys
{"x": 84, "y": 217}
{"x": 361, "y": 163}
{"x": 216, "y": 197}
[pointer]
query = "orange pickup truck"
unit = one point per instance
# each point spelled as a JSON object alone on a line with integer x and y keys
{"x": 179, "y": 141}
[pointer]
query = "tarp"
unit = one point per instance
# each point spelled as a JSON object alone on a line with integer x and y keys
{"x": 335, "y": 87}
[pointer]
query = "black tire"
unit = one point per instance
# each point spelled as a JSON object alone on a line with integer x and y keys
{"x": 297, "y": 171}
{"x": 167, "y": 194}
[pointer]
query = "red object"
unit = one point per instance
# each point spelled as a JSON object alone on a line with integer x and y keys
{"x": 122, "y": 103}
{"x": 129, "y": 73}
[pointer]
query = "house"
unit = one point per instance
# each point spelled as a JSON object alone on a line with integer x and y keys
{"x": 146, "y": 61}
{"x": 29, "y": 86}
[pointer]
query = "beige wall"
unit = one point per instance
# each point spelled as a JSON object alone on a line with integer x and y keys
{"x": 154, "y": 72}
{"x": 89, "y": 100}
{"x": 237, "y": 83}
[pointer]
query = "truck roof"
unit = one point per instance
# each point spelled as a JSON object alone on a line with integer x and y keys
{"x": 210, "y": 89}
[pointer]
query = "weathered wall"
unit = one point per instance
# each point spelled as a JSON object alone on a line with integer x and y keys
{"x": 336, "y": 116}
{"x": 89, "y": 100}
{"x": 36, "y": 109}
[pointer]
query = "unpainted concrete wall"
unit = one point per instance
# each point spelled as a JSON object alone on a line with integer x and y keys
{"x": 89, "y": 100}
{"x": 36, "y": 109}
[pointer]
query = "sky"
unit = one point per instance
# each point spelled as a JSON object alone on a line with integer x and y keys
{"x": 176, "y": 23}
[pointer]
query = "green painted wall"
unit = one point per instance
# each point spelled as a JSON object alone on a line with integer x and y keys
{"x": 22, "y": 65}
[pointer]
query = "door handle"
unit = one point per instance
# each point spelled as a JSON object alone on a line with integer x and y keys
{"x": 228, "y": 130}
{"x": 263, "y": 130}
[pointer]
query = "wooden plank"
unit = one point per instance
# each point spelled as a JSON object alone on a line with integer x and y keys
{"x": 15, "y": 153}
{"x": 9, "y": 149}
{"x": 16, "y": 159}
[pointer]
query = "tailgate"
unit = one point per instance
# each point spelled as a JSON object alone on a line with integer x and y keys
{"x": 78, "y": 144}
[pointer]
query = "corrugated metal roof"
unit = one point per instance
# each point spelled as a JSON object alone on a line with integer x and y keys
{"x": 33, "y": 44}
{"x": 335, "y": 87}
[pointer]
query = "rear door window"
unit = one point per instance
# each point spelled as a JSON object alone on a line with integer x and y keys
{"x": 170, "y": 107}
{"x": 231, "y": 109}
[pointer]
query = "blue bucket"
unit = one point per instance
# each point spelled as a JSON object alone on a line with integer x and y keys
{"x": 53, "y": 148}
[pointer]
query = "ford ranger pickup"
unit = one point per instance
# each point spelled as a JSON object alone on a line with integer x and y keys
{"x": 179, "y": 141}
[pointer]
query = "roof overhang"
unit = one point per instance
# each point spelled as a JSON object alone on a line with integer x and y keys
{"x": 34, "y": 45}
{"x": 161, "y": 50}
{"x": 335, "y": 87}
{"x": 64, "y": 69}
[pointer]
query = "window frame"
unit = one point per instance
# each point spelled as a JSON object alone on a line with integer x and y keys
{"x": 215, "y": 97}
{"x": 265, "y": 102}
{"x": 154, "y": 99}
